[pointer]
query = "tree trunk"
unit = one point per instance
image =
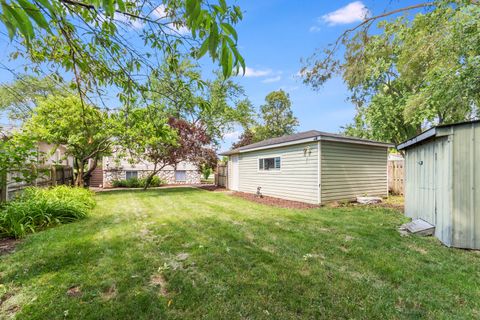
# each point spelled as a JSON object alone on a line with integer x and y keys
{"x": 88, "y": 173}
{"x": 79, "y": 179}
{"x": 150, "y": 177}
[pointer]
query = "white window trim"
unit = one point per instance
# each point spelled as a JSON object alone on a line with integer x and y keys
{"x": 131, "y": 171}
{"x": 268, "y": 157}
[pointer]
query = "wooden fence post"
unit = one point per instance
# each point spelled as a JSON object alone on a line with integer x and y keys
{"x": 53, "y": 175}
{"x": 3, "y": 187}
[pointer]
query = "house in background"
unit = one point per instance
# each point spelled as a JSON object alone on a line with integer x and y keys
{"x": 54, "y": 155}
{"x": 48, "y": 154}
{"x": 119, "y": 168}
{"x": 442, "y": 182}
{"x": 313, "y": 167}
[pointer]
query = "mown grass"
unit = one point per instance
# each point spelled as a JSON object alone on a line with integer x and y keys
{"x": 190, "y": 254}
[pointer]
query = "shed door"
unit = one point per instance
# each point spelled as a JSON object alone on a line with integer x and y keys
{"x": 420, "y": 191}
{"x": 234, "y": 173}
{"x": 442, "y": 190}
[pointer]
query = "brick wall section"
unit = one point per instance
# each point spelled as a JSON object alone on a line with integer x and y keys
{"x": 192, "y": 176}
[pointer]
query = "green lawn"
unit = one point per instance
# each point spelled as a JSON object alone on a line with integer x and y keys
{"x": 190, "y": 254}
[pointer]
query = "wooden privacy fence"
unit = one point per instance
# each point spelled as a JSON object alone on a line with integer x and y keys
{"x": 47, "y": 176}
{"x": 221, "y": 175}
{"x": 396, "y": 180}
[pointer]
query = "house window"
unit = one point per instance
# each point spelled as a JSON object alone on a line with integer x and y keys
{"x": 269, "y": 163}
{"x": 131, "y": 174}
{"x": 180, "y": 175}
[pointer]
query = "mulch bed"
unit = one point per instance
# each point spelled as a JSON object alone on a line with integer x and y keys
{"x": 275, "y": 202}
{"x": 211, "y": 187}
{"x": 8, "y": 245}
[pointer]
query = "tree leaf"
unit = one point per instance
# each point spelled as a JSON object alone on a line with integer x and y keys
{"x": 203, "y": 49}
{"x": 35, "y": 14}
{"x": 228, "y": 29}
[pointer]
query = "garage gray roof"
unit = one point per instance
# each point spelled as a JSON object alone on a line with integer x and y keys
{"x": 300, "y": 137}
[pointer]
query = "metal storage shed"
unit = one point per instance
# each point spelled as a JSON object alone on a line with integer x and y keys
{"x": 442, "y": 182}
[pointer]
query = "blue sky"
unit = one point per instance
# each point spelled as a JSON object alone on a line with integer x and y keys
{"x": 276, "y": 34}
{"x": 273, "y": 38}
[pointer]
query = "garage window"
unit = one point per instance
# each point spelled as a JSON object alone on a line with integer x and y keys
{"x": 269, "y": 163}
{"x": 180, "y": 175}
{"x": 131, "y": 174}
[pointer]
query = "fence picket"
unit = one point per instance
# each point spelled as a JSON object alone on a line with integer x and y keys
{"x": 396, "y": 176}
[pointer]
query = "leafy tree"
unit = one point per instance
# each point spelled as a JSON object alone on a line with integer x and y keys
{"x": 20, "y": 97}
{"x": 83, "y": 129}
{"x": 276, "y": 119}
{"x": 18, "y": 156}
{"x": 215, "y": 105}
{"x": 247, "y": 137}
{"x": 91, "y": 40}
{"x": 413, "y": 73}
{"x": 206, "y": 172}
{"x": 147, "y": 135}
{"x": 277, "y": 116}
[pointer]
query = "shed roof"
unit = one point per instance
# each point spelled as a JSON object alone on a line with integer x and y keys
{"x": 301, "y": 137}
{"x": 430, "y": 134}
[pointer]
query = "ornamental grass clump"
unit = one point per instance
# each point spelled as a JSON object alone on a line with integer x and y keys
{"x": 39, "y": 208}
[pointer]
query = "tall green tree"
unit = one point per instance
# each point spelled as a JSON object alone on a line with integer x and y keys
{"x": 277, "y": 116}
{"x": 418, "y": 71}
{"x": 20, "y": 97}
{"x": 92, "y": 40}
{"x": 18, "y": 157}
{"x": 83, "y": 129}
{"x": 145, "y": 134}
{"x": 216, "y": 105}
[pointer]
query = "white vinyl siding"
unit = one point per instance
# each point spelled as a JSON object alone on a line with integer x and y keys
{"x": 349, "y": 170}
{"x": 296, "y": 179}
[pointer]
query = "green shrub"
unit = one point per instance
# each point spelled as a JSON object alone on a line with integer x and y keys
{"x": 137, "y": 183}
{"x": 39, "y": 208}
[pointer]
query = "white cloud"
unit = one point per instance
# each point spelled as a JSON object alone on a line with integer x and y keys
{"x": 352, "y": 12}
{"x": 250, "y": 72}
{"x": 314, "y": 29}
{"x": 160, "y": 12}
{"x": 232, "y": 135}
{"x": 289, "y": 88}
{"x": 272, "y": 79}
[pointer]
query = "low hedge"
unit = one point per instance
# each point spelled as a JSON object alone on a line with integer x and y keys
{"x": 39, "y": 208}
{"x": 137, "y": 183}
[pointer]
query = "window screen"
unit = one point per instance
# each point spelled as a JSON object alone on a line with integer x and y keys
{"x": 131, "y": 174}
{"x": 180, "y": 175}
{"x": 269, "y": 163}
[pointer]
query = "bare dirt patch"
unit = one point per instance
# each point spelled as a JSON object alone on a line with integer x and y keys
{"x": 74, "y": 291}
{"x": 110, "y": 293}
{"x": 275, "y": 202}
{"x": 8, "y": 245}
{"x": 158, "y": 280}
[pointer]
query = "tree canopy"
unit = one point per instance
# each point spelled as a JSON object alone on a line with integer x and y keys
{"x": 276, "y": 119}
{"x": 216, "y": 105}
{"x": 83, "y": 129}
{"x": 20, "y": 97}
{"x": 96, "y": 42}
{"x": 416, "y": 72}
{"x": 145, "y": 134}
